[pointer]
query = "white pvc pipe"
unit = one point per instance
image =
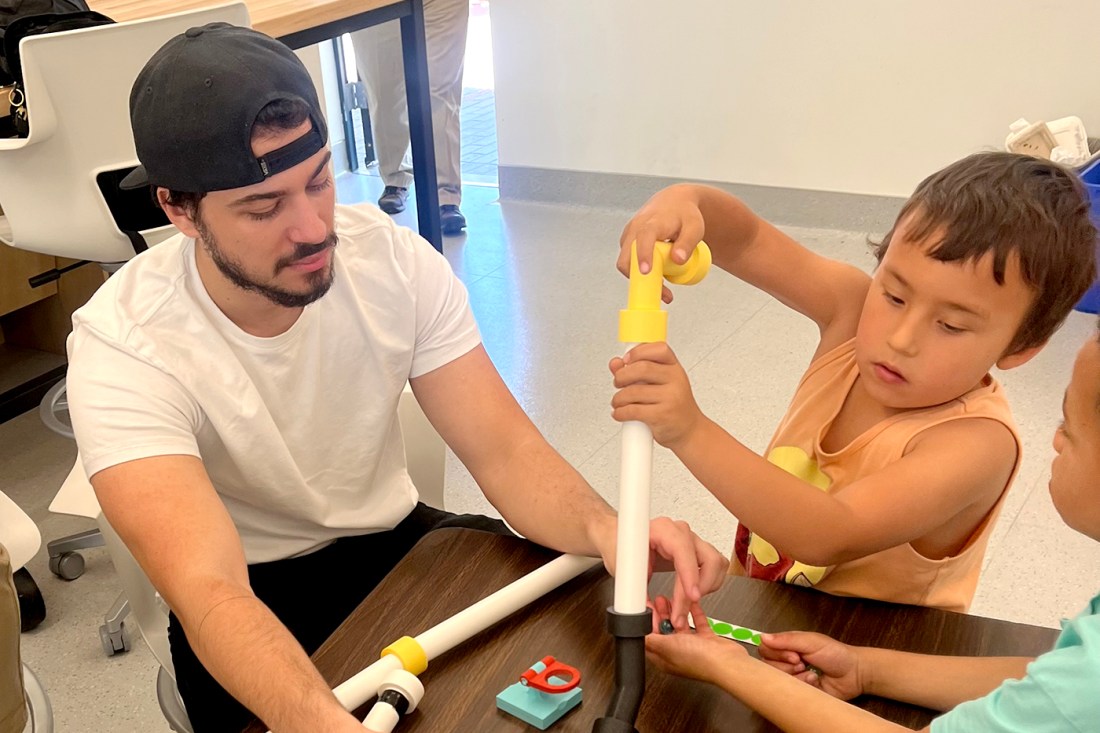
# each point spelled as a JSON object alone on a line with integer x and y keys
{"x": 458, "y": 628}
{"x": 465, "y": 624}
{"x": 632, "y": 541}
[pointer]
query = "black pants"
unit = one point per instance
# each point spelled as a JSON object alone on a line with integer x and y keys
{"x": 311, "y": 596}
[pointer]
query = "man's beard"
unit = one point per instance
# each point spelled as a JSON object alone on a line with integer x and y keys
{"x": 319, "y": 281}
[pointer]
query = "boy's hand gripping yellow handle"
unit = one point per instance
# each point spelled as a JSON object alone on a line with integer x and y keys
{"x": 643, "y": 321}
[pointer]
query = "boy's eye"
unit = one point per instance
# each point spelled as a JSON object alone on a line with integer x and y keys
{"x": 318, "y": 187}
{"x": 892, "y": 299}
{"x": 951, "y": 329}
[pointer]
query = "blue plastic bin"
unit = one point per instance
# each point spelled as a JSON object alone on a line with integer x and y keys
{"x": 1090, "y": 303}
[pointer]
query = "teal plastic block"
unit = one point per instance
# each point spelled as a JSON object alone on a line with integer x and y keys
{"x": 540, "y": 709}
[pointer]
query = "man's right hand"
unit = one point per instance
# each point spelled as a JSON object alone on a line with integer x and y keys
{"x": 671, "y": 215}
{"x": 815, "y": 659}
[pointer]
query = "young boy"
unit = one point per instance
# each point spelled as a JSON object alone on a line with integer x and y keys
{"x": 1056, "y": 692}
{"x": 887, "y": 473}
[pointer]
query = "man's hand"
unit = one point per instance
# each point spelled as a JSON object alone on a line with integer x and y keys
{"x": 700, "y": 568}
{"x": 654, "y": 389}
{"x": 671, "y": 215}
{"x": 815, "y": 659}
{"x": 698, "y": 654}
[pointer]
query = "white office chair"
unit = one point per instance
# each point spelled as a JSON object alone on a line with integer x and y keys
{"x": 53, "y": 182}
{"x": 19, "y": 534}
{"x": 58, "y": 186}
{"x": 425, "y": 453}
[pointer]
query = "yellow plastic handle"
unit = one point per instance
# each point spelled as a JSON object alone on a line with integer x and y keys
{"x": 643, "y": 320}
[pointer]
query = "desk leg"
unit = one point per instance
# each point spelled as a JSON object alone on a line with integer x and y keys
{"x": 414, "y": 49}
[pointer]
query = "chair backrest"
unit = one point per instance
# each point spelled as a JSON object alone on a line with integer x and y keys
{"x": 77, "y": 85}
{"x": 425, "y": 452}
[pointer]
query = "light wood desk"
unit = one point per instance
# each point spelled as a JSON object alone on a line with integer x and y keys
{"x": 299, "y": 23}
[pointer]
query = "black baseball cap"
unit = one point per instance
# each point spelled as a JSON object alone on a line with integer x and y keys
{"x": 194, "y": 103}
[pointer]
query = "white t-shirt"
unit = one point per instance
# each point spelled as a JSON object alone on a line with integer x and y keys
{"x": 298, "y": 432}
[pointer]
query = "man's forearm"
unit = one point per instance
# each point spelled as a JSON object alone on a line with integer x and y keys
{"x": 547, "y": 500}
{"x": 793, "y": 705}
{"x": 254, "y": 657}
{"x": 935, "y": 682}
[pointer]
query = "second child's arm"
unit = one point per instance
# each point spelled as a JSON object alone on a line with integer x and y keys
{"x": 931, "y": 681}
{"x": 828, "y": 292}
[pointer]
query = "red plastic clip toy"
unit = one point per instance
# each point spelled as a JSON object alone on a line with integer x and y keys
{"x": 543, "y": 681}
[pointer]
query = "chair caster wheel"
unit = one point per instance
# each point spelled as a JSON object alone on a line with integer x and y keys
{"x": 67, "y": 565}
{"x": 32, "y": 607}
{"x": 114, "y": 642}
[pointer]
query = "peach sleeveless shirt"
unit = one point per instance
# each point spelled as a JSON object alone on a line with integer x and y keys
{"x": 898, "y": 574}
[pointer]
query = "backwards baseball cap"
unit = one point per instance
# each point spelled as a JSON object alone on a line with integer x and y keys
{"x": 193, "y": 106}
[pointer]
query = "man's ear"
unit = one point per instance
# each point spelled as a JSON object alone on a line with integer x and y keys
{"x": 180, "y": 217}
{"x": 1011, "y": 361}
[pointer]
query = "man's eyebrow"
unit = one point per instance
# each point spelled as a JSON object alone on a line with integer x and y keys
{"x": 950, "y": 305}
{"x": 270, "y": 195}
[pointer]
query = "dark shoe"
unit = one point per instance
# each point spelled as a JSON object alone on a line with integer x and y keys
{"x": 393, "y": 199}
{"x": 451, "y": 219}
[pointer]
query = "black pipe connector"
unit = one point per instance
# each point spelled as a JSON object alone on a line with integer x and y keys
{"x": 629, "y": 631}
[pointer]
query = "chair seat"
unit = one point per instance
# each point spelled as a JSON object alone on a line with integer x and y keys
{"x": 76, "y": 496}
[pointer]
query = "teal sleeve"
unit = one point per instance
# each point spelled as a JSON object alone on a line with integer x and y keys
{"x": 1059, "y": 694}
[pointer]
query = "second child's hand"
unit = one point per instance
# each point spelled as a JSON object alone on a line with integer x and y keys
{"x": 815, "y": 659}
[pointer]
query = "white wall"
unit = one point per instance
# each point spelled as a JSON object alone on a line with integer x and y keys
{"x": 861, "y": 96}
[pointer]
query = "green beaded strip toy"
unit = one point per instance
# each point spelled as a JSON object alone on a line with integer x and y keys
{"x": 732, "y": 631}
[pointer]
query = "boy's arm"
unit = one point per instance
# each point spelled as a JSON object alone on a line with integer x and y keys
{"x": 935, "y": 682}
{"x": 829, "y": 292}
{"x": 795, "y": 706}
{"x": 954, "y": 472}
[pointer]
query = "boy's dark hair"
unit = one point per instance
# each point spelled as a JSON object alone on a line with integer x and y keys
{"x": 277, "y": 116}
{"x": 1010, "y": 204}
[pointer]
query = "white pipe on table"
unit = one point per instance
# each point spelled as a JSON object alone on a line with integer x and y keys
{"x": 473, "y": 620}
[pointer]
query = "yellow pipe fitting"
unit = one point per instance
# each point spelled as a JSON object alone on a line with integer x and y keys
{"x": 411, "y": 654}
{"x": 643, "y": 321}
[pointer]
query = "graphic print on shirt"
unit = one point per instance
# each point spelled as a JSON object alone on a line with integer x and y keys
{"x": 759, "y": 558}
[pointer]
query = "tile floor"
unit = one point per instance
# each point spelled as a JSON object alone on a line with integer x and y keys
{"x": 546, "y": 296}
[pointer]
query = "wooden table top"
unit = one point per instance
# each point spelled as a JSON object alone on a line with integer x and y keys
{"x": 276, "y": 18}
{"x": 450, "y": 569}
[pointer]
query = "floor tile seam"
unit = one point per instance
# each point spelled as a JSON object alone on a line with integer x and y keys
{"x": 729, "y": 336}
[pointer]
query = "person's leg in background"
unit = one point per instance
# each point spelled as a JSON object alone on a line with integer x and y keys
{"x": 378, "y": 57}
{"x": 13, "y": 708}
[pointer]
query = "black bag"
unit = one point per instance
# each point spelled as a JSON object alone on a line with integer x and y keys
{"x": 22, "y": 18}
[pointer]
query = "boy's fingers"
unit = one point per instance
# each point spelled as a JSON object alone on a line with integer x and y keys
{"x": 645, "y": 237}
{"x": 781, "y": 656}
{"x": 659, "y": 352}
{"x": 809, "y": 677}
{"x": 791, "y": 669}
{"x": 800, "y": 642}
{"x": 702, "y": 625}
{"x": 691, "y": 233}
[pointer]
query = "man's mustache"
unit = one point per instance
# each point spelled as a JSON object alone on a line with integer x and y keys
{"x": 302, "y": 251}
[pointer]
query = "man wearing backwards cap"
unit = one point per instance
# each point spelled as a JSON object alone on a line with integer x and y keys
{"x": 234, "y": 391}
